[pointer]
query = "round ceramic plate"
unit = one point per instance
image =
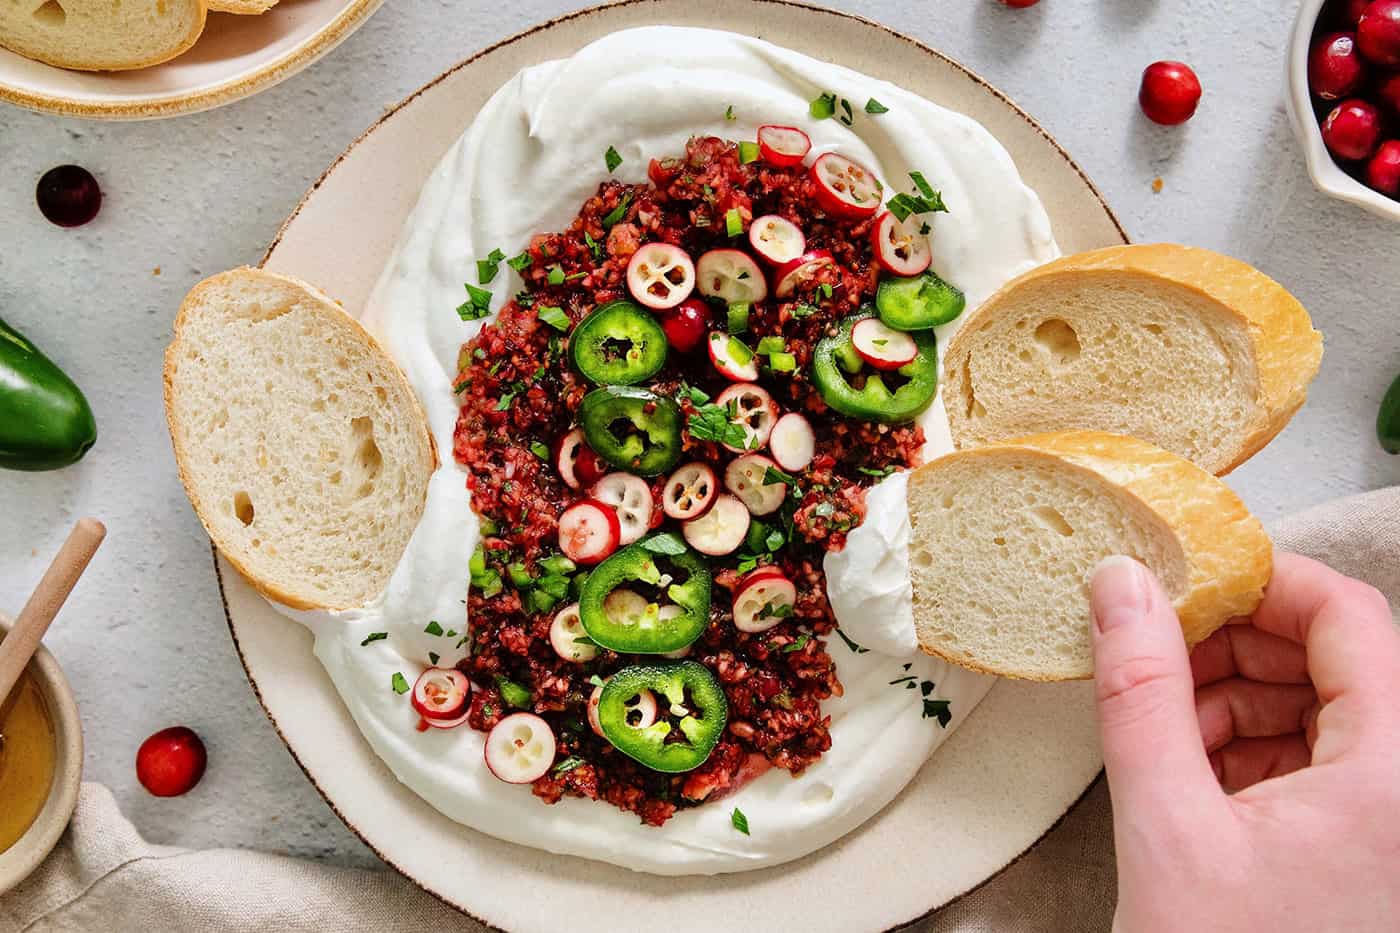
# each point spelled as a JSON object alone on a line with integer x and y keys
{"x": 235, "y": 57}
{"x": 1022, "y": 758}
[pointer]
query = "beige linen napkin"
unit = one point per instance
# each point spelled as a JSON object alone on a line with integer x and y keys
{"x": 104, "y": 876}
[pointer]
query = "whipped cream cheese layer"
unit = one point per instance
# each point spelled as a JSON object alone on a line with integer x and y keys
{"x": 530, "y": 157}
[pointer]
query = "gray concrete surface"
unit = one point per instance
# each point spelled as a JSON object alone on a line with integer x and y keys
{"x": 144, "y": 638}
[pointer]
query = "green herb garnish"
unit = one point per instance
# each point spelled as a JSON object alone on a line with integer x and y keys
{"x": 666, "y": 543}
{"x": 567, "y": 765}
{"x": 433, "y": 628}
{"x": 399, "y": 683}
{"x": 739, "y": 821}
{"x": 555, "y": 276}
{"x": 539, "y": 450}
{"x": 748, "y": 152}
{"x": 874, "y": 106}
{"x": 822, "y": 107}
{"x": 520, "y": 263}
{"x": 850, "y": 644}
{"x": 554, "y": 317}
{"x": 729, "y": 112}
{"x": 612, "y": 159}
{"x": 433, "y": 657}
{"x": 486, "y": 268}
{"x": 847, "y": 117}
{"x": 373, "y": 637}
{"x": 512, "y": 692}
{"x": 938, "y": 709}
{"x": 797, "y": 645}
{"x": 617, "y": 213}
{"x": 477, "y": 305}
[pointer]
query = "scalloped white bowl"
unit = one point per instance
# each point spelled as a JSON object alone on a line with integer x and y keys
{"x": 1326, "y": 174}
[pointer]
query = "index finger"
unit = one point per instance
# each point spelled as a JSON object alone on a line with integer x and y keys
{"x": 1352, "y": 644}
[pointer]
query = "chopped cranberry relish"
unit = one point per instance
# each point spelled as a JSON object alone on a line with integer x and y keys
{"x": 520, "y": 396}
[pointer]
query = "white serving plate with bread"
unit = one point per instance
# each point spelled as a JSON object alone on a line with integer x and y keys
{"x": 1028, "y": 751}
{"x": 137, "y": 64}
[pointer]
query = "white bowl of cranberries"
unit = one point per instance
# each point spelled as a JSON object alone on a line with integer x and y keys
{"x": 1344, "y": 98}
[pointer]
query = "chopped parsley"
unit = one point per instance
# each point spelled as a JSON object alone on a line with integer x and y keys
{"x": 373, "y": 637}
{"x": 797, "y": 645}
{"x": 554, "y": 317}
{"x": 822, "y": 107}
{"x": 486, "y": 268}
{"x": 612, "y": 159}
{"x": 477, "y": 305}
{"x": 927, "y": 200}
{"x": 433, "y": 628}
{"x": 567, "y": 765}
{"x": 774, "y": 476}
{"x": 775, "y": 610}
{"x": 505, "y": 401}
{"x": 666, "y": 543}
{"x": 696, "y": 397}
{"x": 556, "y": 275}
{"x": 880, "y": 472}
{"x": 539, "y": 450}
{"x": 594, "y": 246}
{"x": 715, "y": 423}
{"x": 729, "y": 112}
{"x": 617, "y": 213}
{"x": 399, "y": 683}
{"x": 847, "y": 117}
{"x": 902, "y": 680}
{"x": 520, "y": 263}
{"x": 433, "y": 657}
{"x": 803, "y": 310}
{"x": 857, "y": 649}
{"x": 874, "y": 106}
{"x": 739, "y": 821}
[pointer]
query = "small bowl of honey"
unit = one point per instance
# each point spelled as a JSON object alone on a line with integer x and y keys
{"x": 41, "y": 765}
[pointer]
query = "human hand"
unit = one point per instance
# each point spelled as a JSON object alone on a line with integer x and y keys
{"x": 1298, "y": 709}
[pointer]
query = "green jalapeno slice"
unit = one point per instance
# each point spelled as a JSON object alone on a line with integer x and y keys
{"x": 835, "y": 365}
{"x": 691, "y": 713}
{"x": 618, "y": 344}
{"x": 652, "y": 597}
{"x": 633, "y": 429}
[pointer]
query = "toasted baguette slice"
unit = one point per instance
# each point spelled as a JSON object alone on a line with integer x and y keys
{"x": 1005, "y": 538}
{"x": 1194, "y": 351}
{"x": 245, "y": 7}
{"x": 300, "y": 443}
{"x": 99, "y": 35}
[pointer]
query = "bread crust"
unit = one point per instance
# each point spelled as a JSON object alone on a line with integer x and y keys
{"x": 1287, "y": 350}
{"x": 1228, "y": 555}
{"x": 184, "y": 45}
{"x": 326, "y": 305}
{"x": 242, "y": 7}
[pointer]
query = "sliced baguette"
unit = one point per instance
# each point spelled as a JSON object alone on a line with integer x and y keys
{"x": 300, "y": 443}
{"x": 1005, "y": 537}
{"x": 100, "y": 35}
{"x": 1197, "y": 352}
{"x": 244, "y": 7}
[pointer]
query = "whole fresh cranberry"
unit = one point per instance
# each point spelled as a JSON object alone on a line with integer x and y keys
{"x": 1349, "y": 11}
{"x": 687, "y": 324}
{"x": 1334, "y": 66}
{"x": 1018, "y": 4}
{"x": 1378, "y": 32}
{"x": 1170, "y": 92}
{"x": 171, "y": 762}
{"x": 1383, "y": 171}
{"x": 1388, "y": 93}
{"x": 1352, "y": 130}
{"x": 68, "y": 196}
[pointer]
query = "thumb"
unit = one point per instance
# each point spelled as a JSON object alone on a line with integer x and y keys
{"x": 1151, "y": 739}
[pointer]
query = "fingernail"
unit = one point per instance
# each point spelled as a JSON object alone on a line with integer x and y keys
{"x": 1118, "y": 592}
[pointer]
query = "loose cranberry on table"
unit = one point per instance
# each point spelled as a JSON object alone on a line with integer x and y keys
{"x": 1352, "y": 130}
{"x": 1383, "y": 171}
{"x": 1335, "y": 69}
{"x": 68, "y": 196}
{"x": 686, "y": 324}
{"x": 1388, "y": 93}
{"x": 1378, "y": 32}
{"x": 171, "y": 762}
{"x": 1169, "y": 93}
{"x": 1018, "y": 4}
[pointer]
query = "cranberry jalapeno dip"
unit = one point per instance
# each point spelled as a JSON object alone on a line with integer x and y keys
{"x": 665, "y": 432}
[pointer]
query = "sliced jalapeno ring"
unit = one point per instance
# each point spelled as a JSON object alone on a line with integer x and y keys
{"x": 652, "y": 597}
{"x": 633, "y": 429}
{"x": 691, "y": 715}
{"x": 620, "y": 343}
{"x": 919, "y": 302}
{"x": 833, "y": 369}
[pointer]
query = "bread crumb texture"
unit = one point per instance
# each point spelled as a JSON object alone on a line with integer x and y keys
{"x": 100, "y": 35}
{"x": 300, "y": 443}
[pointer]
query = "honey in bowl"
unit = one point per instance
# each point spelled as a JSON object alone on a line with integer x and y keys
{"x": 28, "y": 753}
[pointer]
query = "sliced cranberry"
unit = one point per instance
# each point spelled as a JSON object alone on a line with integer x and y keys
{"x": 1335, "y": 69}
{"x": 783, "y": 146}
{"x": 171, "y": 762}
{"x": 845, "y": 188}
{"x": 686, "y": 324}
{"x": 1378, "y": 32}
{"x": 1383, "y": 171}
{"x": 1169, "y": 93}
{"x": 1352, "y": 130}
{"x": 68, "y": 196}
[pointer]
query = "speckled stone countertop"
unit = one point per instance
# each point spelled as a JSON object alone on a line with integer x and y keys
{"x": 144, "y": 639}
